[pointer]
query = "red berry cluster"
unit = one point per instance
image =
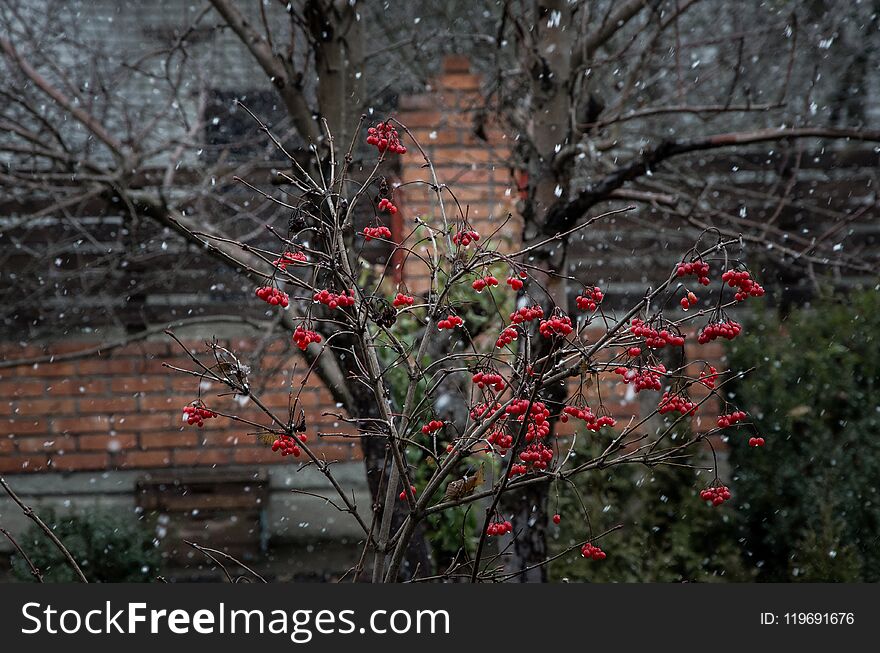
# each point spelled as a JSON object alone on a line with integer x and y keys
{"x": 538, "y": 426}
{"x": 465, "y": 238}
{"x": 385, "y": 137}
{"x": 386, "y": 204}
{"x": 676, "y": 403}
{"x": 728, "y": 329}
{"x": 485, "y": 282}
{"x": 655, "y": 338}
{"x": 402, "y": 495}
{"x": 376, "y": 232}
{"x": 717, "y": 494}
{"x": 484, "y": 410}
{"x": 731, "y": 418}
{"x": 527, "y": 314}
{"x": 500, "y": 439}
{"x": 556, "y": 326}
{"x": 586, "y": 414}
{"x": 756, "y": 441}
{"x": 450, "y": 322}
{"x": 197, "y": 414}
{"x": 647, "y": 379}
{"x": 709, "y": 377}
{"x": 589, "y": 299}
{"x": 302, "y": 337}
{"x": 499, "y": 528}
{"x": 746, "y": 286}
{"x": 536, "y": 456}
{"x": 632, "y": 352}
{"x": 333, "y": 301}
{"x": 507, "y": 336}
{"x": 273, "y": 296}
{"x": 700, "y": 269}
{"x": 433, "y": 425}
{"x": 490, "y": 379}
{"x": 288, "y": 445}
{"x": 401, "y": 300}
{"x": 516, "y": 283}
{"x": 689, "y": 300}
{"x": 592, "y": 552}
{"x": 288, "y": 258}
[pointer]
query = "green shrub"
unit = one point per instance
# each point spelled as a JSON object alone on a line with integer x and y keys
{"x": 109, "y": 547}
{"x": 668, "y": 534}
{"x": 809, "y": 501}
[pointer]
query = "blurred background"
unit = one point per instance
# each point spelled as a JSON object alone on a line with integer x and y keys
{"x": 119, "y": 124}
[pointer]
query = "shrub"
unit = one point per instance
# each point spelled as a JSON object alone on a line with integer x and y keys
{"x": 810, "y": 508}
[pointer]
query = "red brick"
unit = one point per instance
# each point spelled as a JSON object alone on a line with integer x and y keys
{"x": 106, "y": 405}
{"x": 183, "y": 438}
{"x": 151, "y": 422}
{"x": 456, "y": 63}
{"x": 460, "y": 82}
{"x": 133, "y": 384}
{"x": 64, "y": 370}
{"x": 80, "y": 461}
{"x": 38, "y": 407}
{"x": 23, "y": 426}
{"x": 77, "y": 386}
{"x": 112, "y": 443}
{"x": 6, "y": 445}
{"x": 162, "y": 402}
{"x": 82, "y": 424}
{"x": 21, "y": 388}
{"x": 203, "y": 456}
{"x": 46, "y": 443}
{"x": 16, "y": 464}
{"x": 144, "y": 458}
{"x": 105, "y": 366}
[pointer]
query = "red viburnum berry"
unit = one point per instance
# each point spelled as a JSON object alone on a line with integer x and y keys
{"x": 376, "y": 232}
{"x": 709, "y": 377}
{"x": 433, "y": 425}
{"x": 589, "y": 300}
{"x": 676, "y": 403}
{"x": 484, "y": 282}
{"x": 556, "y": 326}
{"x": 273, "y": 296}
{"x": 290, "y": 258}
{"x": 196, "y": 413}
{"x": 387, "y": 206}
{"x": 557, "y": 518}
{"x": 716, "y": 495}
{"x": 756, "y": 441}
{"x": 592, "y": 552}
{"x": 655, "y": 338}
{"x": 303, "y": 337}
{"x": 731, "y": 418}
{"x": 743, "y": 282}
{"x": 499, "y": 528}
{"x": 384, "y": 137}
{"x": 333, "y": 300}
{"x": 698, "y": 268}
{"x": 288, "y": 445}
{"x": 450, "y": 322}
{"x": 402, "y": 301}
{"x": 689, "y": 300}
{"x": 713, "y": 330}
{"x": 465, "y": 237}
{"x": 515, "y": 283}
{"x": 412, "y": 489}
{"x": 490, "y": 380}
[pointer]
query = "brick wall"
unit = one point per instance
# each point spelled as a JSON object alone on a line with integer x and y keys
{"x": 122, "y": 410}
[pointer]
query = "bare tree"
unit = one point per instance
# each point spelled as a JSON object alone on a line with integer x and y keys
{"x": 607, "y": 102}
